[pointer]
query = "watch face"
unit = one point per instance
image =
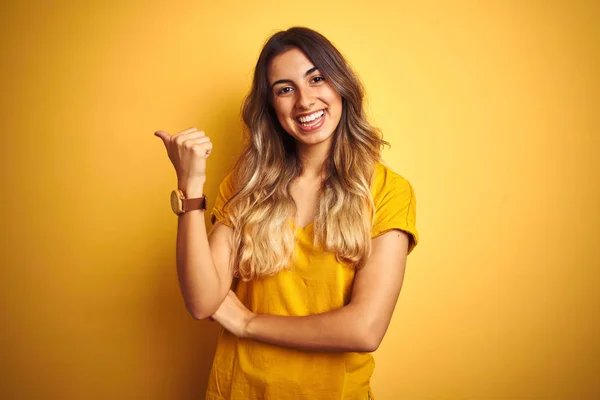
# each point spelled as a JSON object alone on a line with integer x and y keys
{"x": 176, "y": 205}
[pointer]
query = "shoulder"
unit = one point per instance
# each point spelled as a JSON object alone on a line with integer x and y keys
{"x": 227, "y": 186}
{"x": 395, "y": 204}
{"x": 224, "y": 193}
{"x": 386, "y": 181}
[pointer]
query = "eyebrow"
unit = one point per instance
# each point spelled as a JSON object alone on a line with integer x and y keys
{"x": 310, "y": 71}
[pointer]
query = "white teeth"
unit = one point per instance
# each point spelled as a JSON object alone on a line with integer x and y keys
{"x": 311, "y": 117}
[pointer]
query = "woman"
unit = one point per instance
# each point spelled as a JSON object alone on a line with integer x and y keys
{"x": 311, "y": 231}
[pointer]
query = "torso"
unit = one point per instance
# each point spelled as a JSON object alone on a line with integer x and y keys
{"x": 305, "y": 194}
{"x": 247, "y": 369}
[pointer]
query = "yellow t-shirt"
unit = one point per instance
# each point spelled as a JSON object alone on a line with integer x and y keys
{"x": 247, "y": 369}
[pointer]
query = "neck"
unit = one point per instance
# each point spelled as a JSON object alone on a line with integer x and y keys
{"x": 312, "y": 158}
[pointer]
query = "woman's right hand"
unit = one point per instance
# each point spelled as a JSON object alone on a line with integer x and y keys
{"x": 188, "y": 151}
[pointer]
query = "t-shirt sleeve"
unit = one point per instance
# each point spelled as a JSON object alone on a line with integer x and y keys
{"x": 396, "y": 208}
{"x": 219, "y": 210}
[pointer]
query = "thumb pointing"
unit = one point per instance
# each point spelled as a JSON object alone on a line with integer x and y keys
{"x": 162, "y": 134}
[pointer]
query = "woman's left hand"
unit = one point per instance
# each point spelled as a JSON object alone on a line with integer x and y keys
{"x": 233, "y": 315}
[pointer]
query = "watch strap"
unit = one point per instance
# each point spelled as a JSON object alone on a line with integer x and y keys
{"x": 198, "y": 203}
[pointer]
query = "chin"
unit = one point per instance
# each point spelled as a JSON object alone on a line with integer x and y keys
{"x": 314, "y": 140}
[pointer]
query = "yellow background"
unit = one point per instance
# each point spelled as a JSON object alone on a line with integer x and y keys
{"x": 492, "y": 110}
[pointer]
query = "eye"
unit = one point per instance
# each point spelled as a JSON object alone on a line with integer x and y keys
{"x": 284, "y": 90}
{"x": 318, "y": 79}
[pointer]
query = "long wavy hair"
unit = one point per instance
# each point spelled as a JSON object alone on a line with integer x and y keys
{"x": 261, "y": 209}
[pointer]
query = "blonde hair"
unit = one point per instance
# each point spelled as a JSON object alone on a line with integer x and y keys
{"x": 261, "y": 209}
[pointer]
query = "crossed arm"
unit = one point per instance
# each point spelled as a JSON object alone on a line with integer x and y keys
{"x": 358, "y": 326}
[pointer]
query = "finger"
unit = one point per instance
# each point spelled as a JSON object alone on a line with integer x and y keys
{"x": 185, "y": 132}
{"x": 187, "y": 143}
{"x": 193, "y": 134}
{"x": 190, "y": 136}
{"x": 163, "y": 135}
{"x": 203, "y": 148}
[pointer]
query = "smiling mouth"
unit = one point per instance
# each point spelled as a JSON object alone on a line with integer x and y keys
{"x": 312, "y": 119}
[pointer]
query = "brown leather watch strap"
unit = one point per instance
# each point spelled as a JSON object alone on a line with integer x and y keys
{"x": 194, "y": 204}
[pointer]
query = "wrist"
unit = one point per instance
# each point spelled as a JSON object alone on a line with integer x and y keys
{"x": 191, "y": 191}
{"x": 248, "y": 330}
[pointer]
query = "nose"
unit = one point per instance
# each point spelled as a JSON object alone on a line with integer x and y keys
{"x": 305, "y": 99}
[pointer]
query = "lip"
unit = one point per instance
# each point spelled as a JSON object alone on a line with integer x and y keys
{"x": 308, "y": 113}
{"x": 314, "y": 127}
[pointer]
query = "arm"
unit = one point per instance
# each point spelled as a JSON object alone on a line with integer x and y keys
{"x": 359, "y": 326}
{"x": 202, "y": 261}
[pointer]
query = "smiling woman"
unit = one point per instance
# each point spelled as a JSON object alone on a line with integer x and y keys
{"x": 307, "y": 106}
{"x": 311, "y": 230}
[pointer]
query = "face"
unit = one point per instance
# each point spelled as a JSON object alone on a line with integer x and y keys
{"x": 307, "y": 107}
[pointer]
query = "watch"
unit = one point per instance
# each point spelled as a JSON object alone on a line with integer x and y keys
{"x": 180, "y": 205}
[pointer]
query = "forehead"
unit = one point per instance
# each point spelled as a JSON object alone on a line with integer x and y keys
{"x": 291, "y": 64}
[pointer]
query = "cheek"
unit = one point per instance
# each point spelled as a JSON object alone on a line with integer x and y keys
{"x": 338, "y": 99}
{"x": 277, "y": 109}
{"x": 334, "y": 99}
{"x": 283, "y": 118}
{"x": 336, "y": 104}
{"x": 331, "y": 94}
{"x": 283, "y": 113}
{"x": 279, "y": 106}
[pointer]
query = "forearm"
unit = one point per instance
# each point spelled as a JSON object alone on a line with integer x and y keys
{"x": 344, "y": 330}
{"x": 198, "y": 277}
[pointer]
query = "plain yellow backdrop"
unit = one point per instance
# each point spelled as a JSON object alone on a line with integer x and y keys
{"x": 492, "y": 109}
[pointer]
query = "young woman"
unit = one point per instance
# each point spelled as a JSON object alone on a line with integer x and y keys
{"x": 305, "y": 261}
